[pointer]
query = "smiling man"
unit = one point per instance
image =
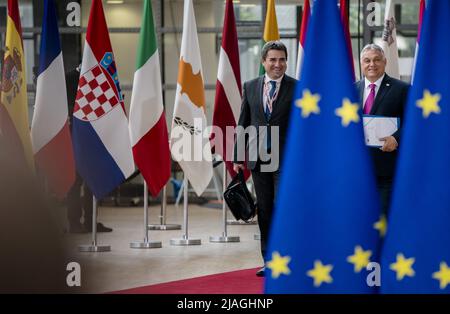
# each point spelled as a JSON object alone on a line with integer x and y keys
{"x": 382, "y": 95}
{"x": 266, "y": 104}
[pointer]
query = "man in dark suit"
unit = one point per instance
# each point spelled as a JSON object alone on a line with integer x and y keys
{"x": 382, "y": 95}
{"x": 266, "y": 105}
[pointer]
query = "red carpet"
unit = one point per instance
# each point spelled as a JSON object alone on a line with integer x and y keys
{"x": 235, "y": 282}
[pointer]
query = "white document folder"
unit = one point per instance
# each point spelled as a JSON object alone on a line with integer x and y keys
{"x": 376, "y": 127}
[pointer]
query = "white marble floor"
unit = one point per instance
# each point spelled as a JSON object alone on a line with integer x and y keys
{"x": 124, "y": 267}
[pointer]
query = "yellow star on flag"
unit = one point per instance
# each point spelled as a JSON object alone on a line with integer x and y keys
{"x": 443, "y": 275}
{"x": 381, "y": 225}
{"x": 360, "y": 258}
{"x": 279, "y": 265}
{"x": 320, "y": 273}
{"x": 348, "y": 112}
{"x": 403, "y": 266}
{"x": 308, "y": 103}
{"x": 429, "y": 103}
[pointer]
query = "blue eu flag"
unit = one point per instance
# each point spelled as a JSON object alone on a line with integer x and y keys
{"x": 416, "y": 254}
{"x": 323, "y": 236}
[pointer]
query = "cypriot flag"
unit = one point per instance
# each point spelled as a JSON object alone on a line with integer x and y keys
{"x": 190, "y": 145}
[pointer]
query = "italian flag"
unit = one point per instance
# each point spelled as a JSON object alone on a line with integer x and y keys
{"x": 148, "y": 128}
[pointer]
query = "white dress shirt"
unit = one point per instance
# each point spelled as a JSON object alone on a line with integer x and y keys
{"x": 367, "y": 87}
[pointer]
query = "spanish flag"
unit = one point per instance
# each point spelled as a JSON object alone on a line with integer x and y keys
{"x": 270, "y": 28}
{"x": 14, "y": 125}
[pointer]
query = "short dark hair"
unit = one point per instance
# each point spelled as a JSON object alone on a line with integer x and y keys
{"x": 273, "y": 45}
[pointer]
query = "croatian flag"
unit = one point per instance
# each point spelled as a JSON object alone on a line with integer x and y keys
{"x": 100, "y": 134}
{"x": 50, "y": 134}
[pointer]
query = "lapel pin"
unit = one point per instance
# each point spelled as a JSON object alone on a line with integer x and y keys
{"x": 387, "y": 84}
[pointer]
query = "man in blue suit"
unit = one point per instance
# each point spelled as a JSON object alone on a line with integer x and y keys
{"x": 382, "y": 95}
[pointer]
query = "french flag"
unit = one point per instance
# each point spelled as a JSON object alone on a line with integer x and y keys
{"x": 50, "y": 135}
{"x": 100, "y": 133}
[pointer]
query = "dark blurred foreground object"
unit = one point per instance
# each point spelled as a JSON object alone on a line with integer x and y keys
{"x": 32, "y": 259}
{"x": 239, "y": 199}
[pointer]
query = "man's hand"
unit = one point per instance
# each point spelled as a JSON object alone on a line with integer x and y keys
{"x": 236, "y": 167}
{"x": 390, "y": 144}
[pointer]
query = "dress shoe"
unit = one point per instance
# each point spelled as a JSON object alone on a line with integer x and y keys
{"x": 261, "y": 272}
{"x": 77, "y": 228}
{"x": 100, "y": 227}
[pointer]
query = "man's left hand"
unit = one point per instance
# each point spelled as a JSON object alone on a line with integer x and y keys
{"x": 390, "y": 144}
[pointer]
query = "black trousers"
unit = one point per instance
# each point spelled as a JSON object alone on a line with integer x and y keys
{"x": 266, "y": 186}
{"x": 77, "y": 203}
{"x": 384, "y": 185}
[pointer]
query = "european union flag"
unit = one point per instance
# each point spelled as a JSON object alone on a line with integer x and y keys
{"x": 323, "y": 234}
{"x": 416, "y": 255}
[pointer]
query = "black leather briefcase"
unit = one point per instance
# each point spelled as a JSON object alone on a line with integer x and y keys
{"x": 239, "y": 199}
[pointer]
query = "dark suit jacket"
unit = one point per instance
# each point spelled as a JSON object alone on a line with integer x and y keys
{"x": 252, "y": 112}
{"x": 389, "y": 102}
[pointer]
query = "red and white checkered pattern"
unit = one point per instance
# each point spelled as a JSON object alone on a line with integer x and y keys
{"x": 95, "y": 96}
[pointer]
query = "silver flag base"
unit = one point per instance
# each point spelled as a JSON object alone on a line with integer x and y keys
{"x": 240, "y": 222}
{"x": 164, "y": 227}
{"x": 94, "y": 248}
{"x": 146, "y": 245}
{"x": 183, "y": 241}
{"x": 257, "y": 237}
{"x": 224, "y": 239}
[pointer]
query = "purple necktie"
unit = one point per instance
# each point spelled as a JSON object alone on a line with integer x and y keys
{"x": 370, "y": 99}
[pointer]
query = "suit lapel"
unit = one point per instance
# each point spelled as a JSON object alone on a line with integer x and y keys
{"x": 361, "y": 86}
{"x": 259, "y": 97}
{"x": 384, "y": 88}
{"x": 281, "y": 95}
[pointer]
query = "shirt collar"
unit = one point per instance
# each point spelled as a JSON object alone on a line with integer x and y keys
{"x": 268, "y": 79}
{"x": 377, "y": 82}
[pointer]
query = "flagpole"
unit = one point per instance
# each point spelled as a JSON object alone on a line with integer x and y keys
{"x": 184, "y": 240}
{"x": 224, "y": 237}
{"x": 162, "y": 217}
{"x": 146, "y": 244}
{"x": 94, "y": 247}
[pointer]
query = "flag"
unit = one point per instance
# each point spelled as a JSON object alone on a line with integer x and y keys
{"x": 101, "y": 140}
{"x": 344, "y": 16}
{"x": 148, "y": 128}
{"x": 302, "y": 38}
{"x": 416, "y": 253}
{"x": 189, "y": 146}
{"x": 322, "y": 234}
{"x": 227, "y": 103}
{"x": 270, "y": 28}
{"x": 419, "y": 29}
{"x": 389, "y": 41}
{"x": 50, "y": 134}
{"x": 14, "y": 123}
